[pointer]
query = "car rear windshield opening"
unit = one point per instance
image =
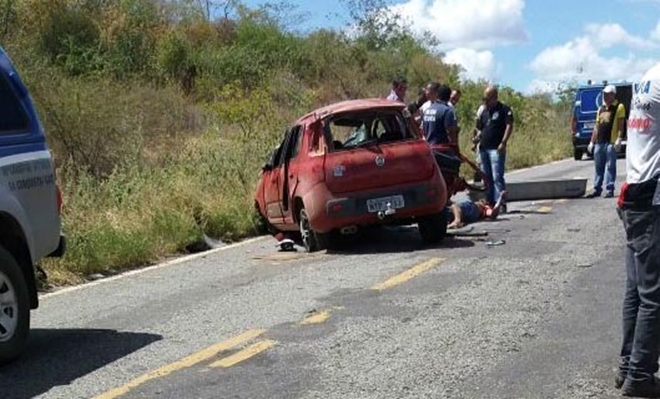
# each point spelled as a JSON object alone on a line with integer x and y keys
{"x": 363, "y": 129}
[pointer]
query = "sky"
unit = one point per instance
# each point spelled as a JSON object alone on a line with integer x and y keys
{"x": 530, "y": 45}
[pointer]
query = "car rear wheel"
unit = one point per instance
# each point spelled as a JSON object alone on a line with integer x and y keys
{"x": 577, "y": 154}
{"x": 14, "y": 308}
{"x": 311, "y": 240}
{"x": 433, "y": 228}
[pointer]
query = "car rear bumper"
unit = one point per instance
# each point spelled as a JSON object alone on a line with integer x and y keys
{"x": 350, "y": 209}
{"x": 61, "y": 248}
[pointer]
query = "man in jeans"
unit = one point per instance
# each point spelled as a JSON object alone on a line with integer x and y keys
{"x": 606, "y": 141}
{"x": 496, "y": 126}
{"x": 639, "y": 209}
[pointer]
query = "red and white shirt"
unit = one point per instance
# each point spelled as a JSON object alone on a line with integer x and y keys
{"x": 643, "y": 142}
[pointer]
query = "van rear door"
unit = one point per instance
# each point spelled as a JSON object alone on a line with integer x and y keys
{"x": 587, "y": 103}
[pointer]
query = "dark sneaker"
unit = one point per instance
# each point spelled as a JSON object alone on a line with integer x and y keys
{"x": 620, "y": 379}
{"x": 609, "y": 194}
{"x": 594, "y": 194}
{"x": 645, "y": 389}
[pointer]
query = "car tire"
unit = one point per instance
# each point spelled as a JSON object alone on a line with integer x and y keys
{"x": 577, "y": 154}
{"x": 14, "y": 308}
{"x": 433, "y": 228}
{"x": 311, "y": 240}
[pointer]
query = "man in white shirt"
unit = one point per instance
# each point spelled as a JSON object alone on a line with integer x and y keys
{"x": 639, "y": 209}
{"x": 399, "y": 89}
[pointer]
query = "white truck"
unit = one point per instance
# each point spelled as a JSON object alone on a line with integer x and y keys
{"x": 30, "y": 206}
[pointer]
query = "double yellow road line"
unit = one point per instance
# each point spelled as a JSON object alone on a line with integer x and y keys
{"x": 200, "y": 357}
{"x": 258, "y": 347}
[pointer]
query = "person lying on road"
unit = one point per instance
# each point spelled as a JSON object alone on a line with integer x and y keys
{"x": 464, "y": 212}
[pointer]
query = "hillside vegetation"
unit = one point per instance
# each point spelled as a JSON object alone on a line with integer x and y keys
{"x": 160, "y": 113}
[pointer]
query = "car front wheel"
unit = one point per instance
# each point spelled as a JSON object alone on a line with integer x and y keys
{"x": 14, "y": 308}
{"x": 433, "y": 228}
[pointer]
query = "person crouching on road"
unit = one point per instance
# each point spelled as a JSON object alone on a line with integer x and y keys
{"x": 606, "y": 141}
{"x": 639, "y": 209}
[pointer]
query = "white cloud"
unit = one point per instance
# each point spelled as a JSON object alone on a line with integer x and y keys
{"x": 476, "y": 64}
{"x": 472, "y": 24}
{"x": 582, "y": 58}
{"x": 608, "y": 35}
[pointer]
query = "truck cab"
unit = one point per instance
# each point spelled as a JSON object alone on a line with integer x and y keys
{"x": 30, "y": 205}
{"x": 588, "y": 98}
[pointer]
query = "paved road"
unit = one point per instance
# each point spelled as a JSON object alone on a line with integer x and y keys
{"x": 536, "y": 317}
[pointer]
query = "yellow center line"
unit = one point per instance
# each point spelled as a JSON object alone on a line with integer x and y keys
{"x": 408, "y": 274}
{"x": 245, "y": 354}
{"x": 317, "y": 318}
{"x": 186, "y": 362}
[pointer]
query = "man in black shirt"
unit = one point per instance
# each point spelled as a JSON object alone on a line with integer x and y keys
{"x": 496, "y": 126}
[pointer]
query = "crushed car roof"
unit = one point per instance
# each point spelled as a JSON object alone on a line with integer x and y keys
{"x": 350, "y": 105}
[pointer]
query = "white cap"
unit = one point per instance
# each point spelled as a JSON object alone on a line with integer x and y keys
{"x": 609, "y": 89}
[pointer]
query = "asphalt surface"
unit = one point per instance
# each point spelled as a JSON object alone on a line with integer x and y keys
{"x": 537, "y": 316}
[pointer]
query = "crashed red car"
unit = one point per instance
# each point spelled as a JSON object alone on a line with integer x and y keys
{"x": 349, "y": 165}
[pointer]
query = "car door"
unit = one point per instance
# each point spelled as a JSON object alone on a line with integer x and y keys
{"x": 271, "y": 176}
{"x": 289, "y": 172}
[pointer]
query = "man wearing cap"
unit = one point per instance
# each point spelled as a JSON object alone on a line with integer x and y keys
{"x": 606, "y": 141}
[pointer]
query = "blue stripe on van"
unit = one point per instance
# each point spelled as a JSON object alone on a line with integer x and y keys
{"x": 6, "y": 151}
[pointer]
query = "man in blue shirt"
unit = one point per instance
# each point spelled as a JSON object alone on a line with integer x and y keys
{"x": 439, "y": 119}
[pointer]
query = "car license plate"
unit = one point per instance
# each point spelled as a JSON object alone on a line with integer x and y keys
{"x": 381, "y": 204}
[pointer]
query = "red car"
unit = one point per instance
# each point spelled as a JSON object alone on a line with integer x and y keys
{"x": 349, "y": 165}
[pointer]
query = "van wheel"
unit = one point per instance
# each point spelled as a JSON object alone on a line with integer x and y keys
{"x": 433, "y": 228}
{"x": 14, "y": 308}
{"x": 577, "y": 154}
{"x": 311, "y": 240}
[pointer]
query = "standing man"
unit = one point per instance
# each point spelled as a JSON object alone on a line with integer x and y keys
{"x": 606, "y": 141}
{"x": 639, "y": 209}
{"x": 455, "y": 98}
{"x": 439, "y": 120}
{"x": 399, "y": 89}
{"x": 496, "y": 126}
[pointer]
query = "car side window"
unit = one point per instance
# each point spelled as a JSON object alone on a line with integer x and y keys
{"x": 289, "y": 147}
{"x": 295, "y": 141}
{"x": 13, "y": 118}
